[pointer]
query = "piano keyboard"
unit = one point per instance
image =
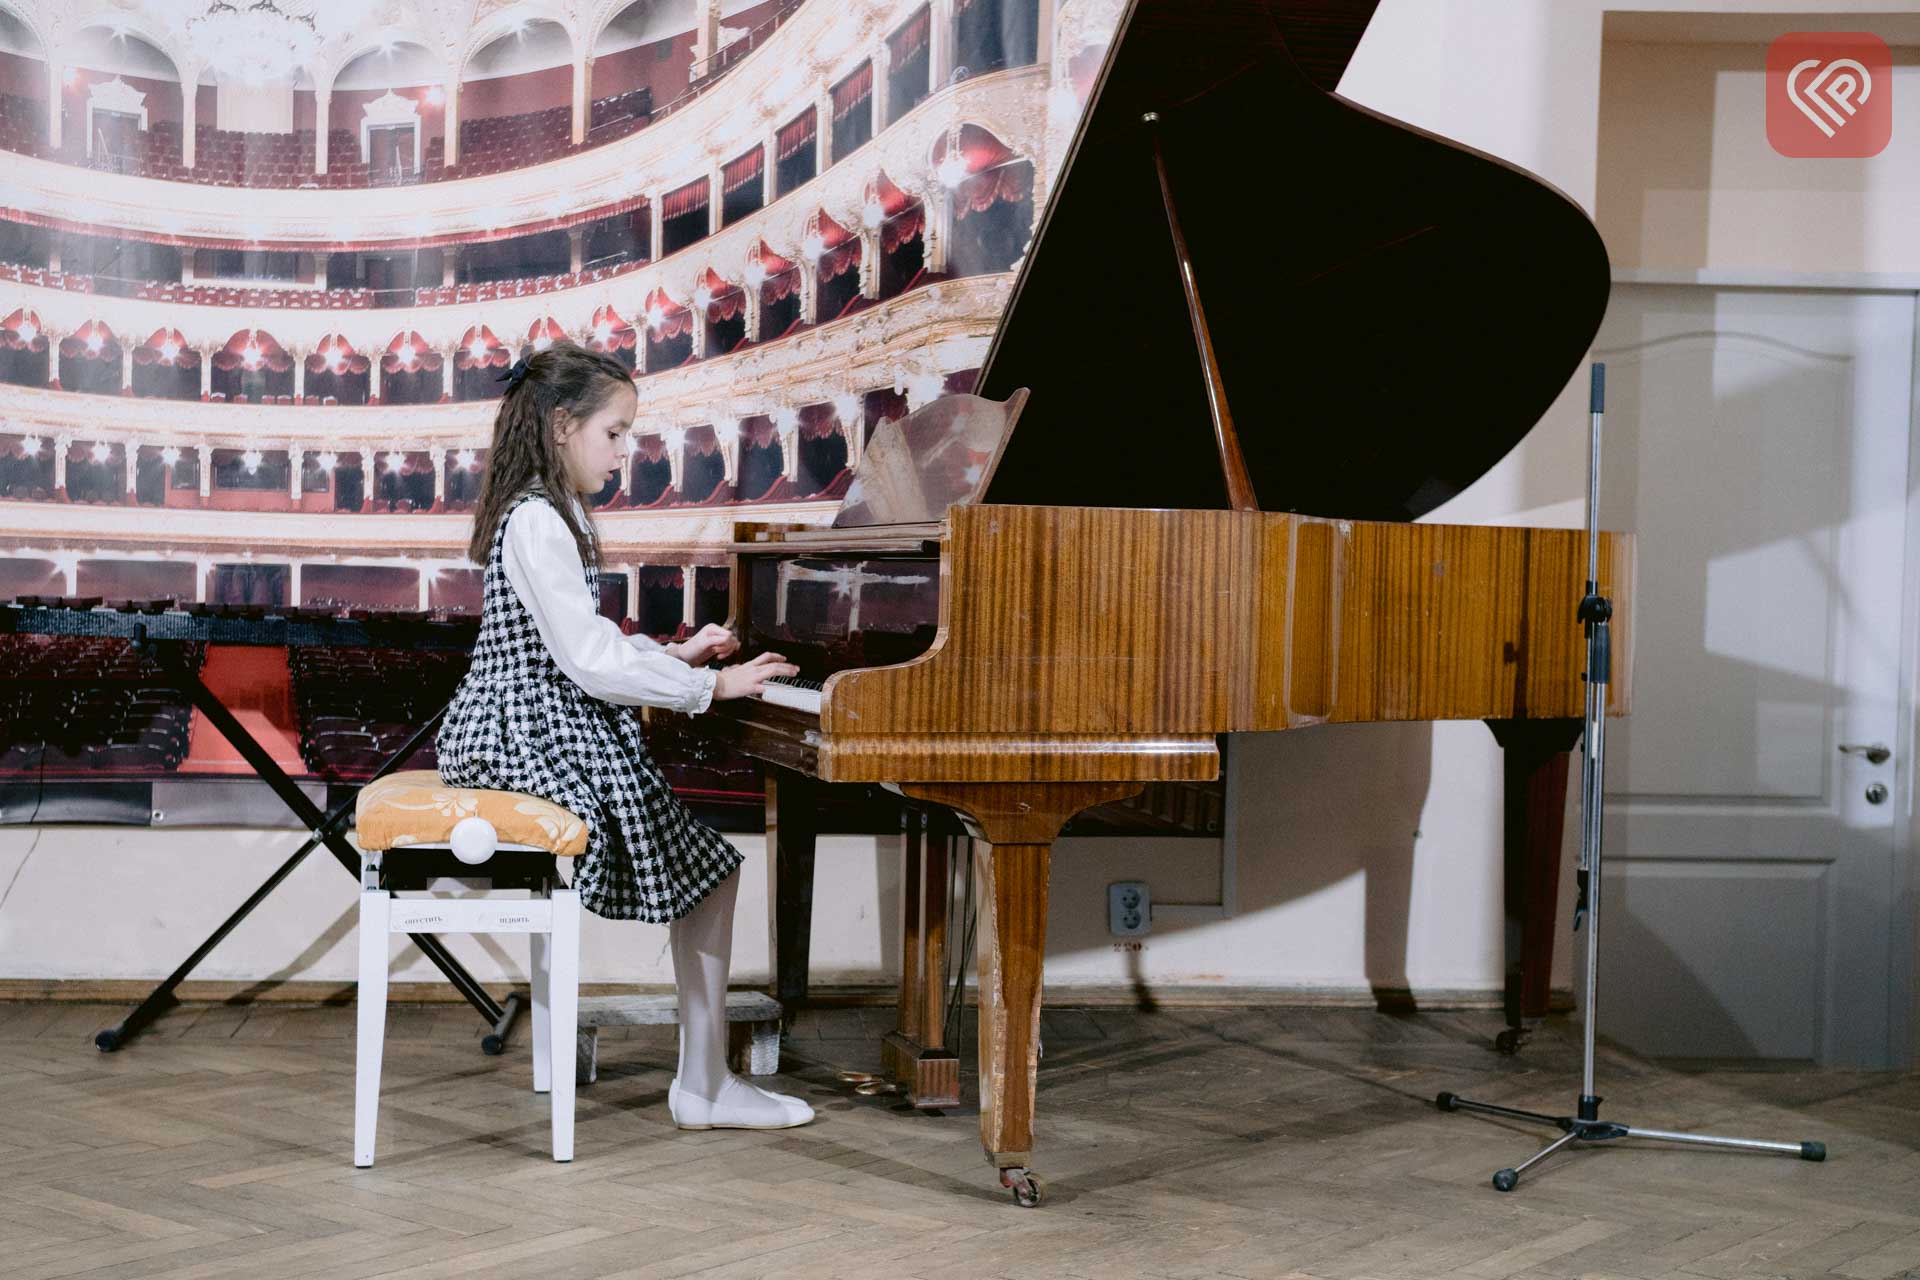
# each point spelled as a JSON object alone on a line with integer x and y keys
{"x": 801, "y": 695}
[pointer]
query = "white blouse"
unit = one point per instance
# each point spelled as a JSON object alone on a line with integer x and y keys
{"x": 543, "y": 566}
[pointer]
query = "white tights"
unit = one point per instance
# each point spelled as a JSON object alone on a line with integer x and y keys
{"x": 705, "y": 1093}
{"x": 702, "y": 953}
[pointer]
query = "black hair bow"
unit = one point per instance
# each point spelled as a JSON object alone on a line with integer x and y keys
{"x": 513, "y": 376}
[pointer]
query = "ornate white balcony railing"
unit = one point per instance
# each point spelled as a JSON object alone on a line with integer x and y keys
{"x": 771, "y": 85}
{"x": 1011, "y": 105}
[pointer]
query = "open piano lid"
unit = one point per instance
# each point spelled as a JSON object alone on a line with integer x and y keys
{"x": 1390, "y": 312}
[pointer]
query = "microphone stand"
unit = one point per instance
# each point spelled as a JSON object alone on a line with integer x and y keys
{"x": 1585, "y": 1125}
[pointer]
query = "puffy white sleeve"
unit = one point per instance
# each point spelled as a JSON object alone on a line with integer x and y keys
{"x": 543, "y": 567}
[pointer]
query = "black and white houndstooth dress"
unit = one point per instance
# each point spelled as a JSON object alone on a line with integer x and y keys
{"x": 519, "y": 723}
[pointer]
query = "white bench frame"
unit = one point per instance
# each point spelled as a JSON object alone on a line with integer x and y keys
{"x": 551, "y": 922}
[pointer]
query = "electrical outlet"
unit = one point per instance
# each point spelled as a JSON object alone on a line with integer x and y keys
{"x": 1129, "y": 908}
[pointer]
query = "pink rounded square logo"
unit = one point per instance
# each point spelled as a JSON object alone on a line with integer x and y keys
{"x": 1829, "y": 95}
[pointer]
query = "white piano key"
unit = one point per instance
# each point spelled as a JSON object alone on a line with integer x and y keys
{"x": 787, "y": 695}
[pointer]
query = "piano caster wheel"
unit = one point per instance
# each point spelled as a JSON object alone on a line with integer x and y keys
{"x": 1025, "y": 1187}
{"x": 1511, "y": 1041}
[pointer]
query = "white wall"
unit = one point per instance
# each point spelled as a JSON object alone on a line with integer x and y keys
{"x": 1369, "y": 854}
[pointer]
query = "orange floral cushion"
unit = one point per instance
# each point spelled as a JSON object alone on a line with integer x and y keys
{"x": 415, "y": 807}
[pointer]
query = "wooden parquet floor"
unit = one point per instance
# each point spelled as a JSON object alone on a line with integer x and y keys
{"x": 1189, "y": 1143}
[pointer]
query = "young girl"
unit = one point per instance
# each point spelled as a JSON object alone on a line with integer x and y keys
{"x": 542, "y": 710}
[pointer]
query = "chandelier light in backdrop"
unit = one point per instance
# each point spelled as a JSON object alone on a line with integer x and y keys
{"x": 260, "y": 41}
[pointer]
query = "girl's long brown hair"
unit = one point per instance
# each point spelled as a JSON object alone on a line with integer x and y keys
{"x": 524, "y": 456}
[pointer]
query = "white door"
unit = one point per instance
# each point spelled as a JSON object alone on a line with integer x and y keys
{"x": 1756, "y": 442}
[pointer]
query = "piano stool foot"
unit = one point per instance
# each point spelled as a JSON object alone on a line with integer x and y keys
{"x": 1027, "y": 1189}
{"x": 1513, "y": 1040}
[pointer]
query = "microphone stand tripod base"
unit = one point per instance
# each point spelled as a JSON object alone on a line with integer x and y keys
{"x": 1588, "y": 1127}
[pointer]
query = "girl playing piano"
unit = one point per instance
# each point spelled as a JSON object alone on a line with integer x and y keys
{"x": 543, "y": 709}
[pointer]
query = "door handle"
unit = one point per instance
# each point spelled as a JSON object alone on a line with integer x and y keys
{"x": 1876, "y": 753}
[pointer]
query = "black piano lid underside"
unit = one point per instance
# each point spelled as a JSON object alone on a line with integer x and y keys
{"x": 1391, "y": 312}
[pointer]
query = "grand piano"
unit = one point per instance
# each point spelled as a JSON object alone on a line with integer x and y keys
{"x": 1259, "y": 331}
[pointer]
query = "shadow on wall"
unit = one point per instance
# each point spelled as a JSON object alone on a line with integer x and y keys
{"x": 1652, "y": 999}
{"x": 1318, "y": 807}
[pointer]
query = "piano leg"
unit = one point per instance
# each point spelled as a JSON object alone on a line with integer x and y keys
{"x": 915, "y": 1054}
{"x": 1012, "y": 932}
{"x": 793, "y": 821}
{"x": 1014, "y": 825}
{"x": 1536, "y": 755}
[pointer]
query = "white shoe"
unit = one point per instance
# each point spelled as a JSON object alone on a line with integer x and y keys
{"x": 740, "y": 1106}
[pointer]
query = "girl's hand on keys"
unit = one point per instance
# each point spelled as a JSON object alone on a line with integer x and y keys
{"x": 710, "y": 641}
{"x": 745, "y": 679}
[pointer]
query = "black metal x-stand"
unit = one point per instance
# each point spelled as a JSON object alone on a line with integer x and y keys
{"x": 1596, "y": 613}
{"x": 326, "y": 828}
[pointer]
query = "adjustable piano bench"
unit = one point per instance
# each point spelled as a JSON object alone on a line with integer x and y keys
{"x": 416, "y": 834}
{"x": 753, "y": 1028}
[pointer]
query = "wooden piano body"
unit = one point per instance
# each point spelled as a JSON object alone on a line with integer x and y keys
{"x": 1085, "y": 644}
{"x": 1202, "y": 522}
{"x": 1082, "y": 652}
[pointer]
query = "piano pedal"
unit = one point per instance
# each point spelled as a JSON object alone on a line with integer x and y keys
{"x": 869, "y": 1086}
{"x": 1027, "y": 1189}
